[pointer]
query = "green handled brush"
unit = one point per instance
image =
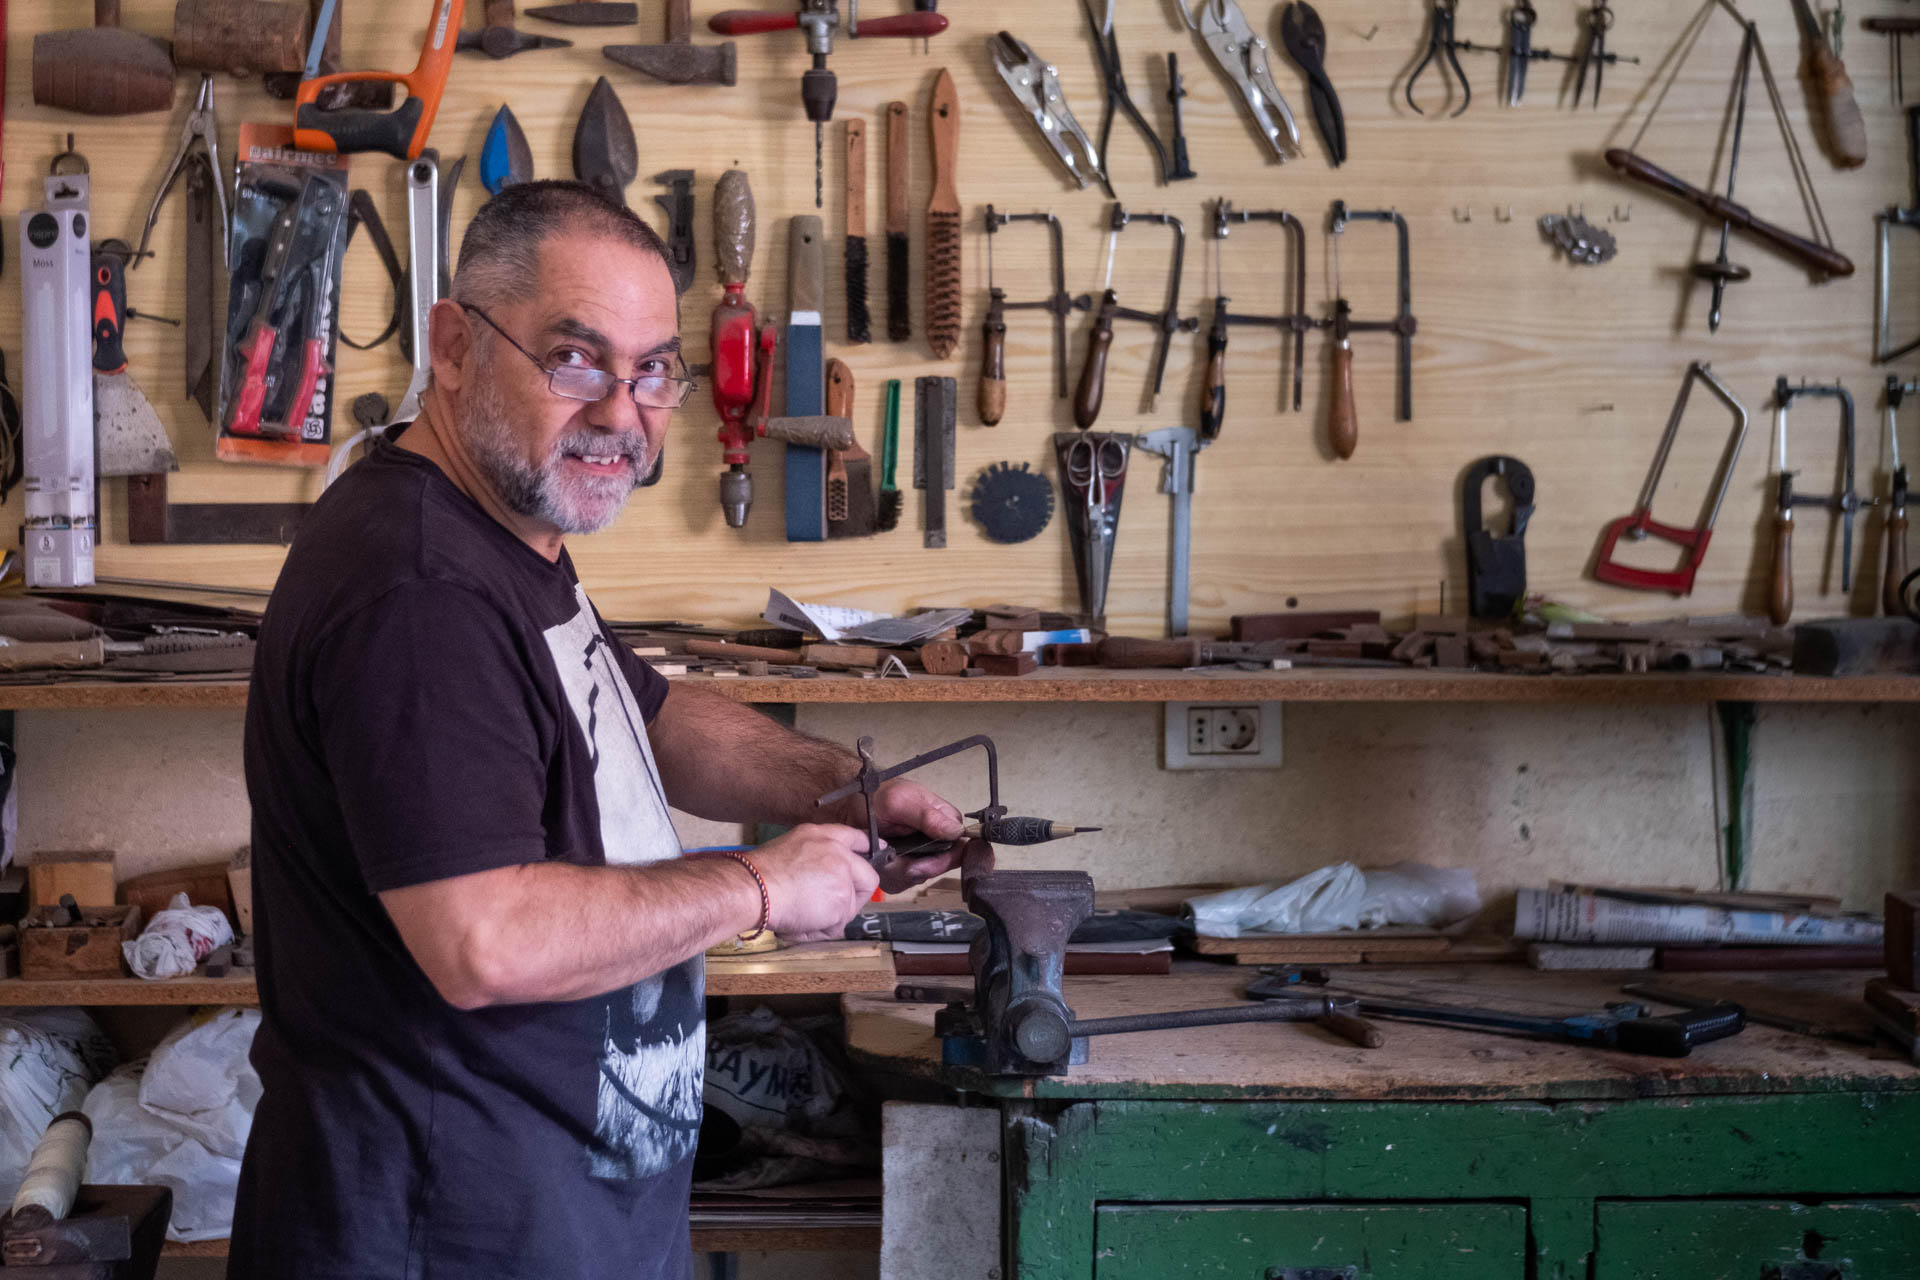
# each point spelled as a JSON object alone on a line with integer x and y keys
{"x": 891, "y": 500}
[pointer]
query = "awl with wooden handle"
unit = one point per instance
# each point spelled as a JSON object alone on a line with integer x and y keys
{"x": 1833, "y": 104}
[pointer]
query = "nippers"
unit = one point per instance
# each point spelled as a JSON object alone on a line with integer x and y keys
{"x": 1440, "y": 41}
{"x": 1305, "y": 39}
{"x": 1224, "y": 29}
{"x": 1036, "y": 87}
{"x": 1106, "y": 47}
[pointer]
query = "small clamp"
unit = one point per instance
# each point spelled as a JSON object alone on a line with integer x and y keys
{"x": 1242, "y": 54}
{"x": 1440, "y": 41}
{"x": 1036, "y": 87}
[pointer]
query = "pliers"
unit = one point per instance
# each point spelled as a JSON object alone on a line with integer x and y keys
{"x": 1036, "y": 87}
{"x": 200, "y": 126}
{"x": 1305, "y": 38}
{"x": 1224, "y": 29}
{"x": 1106, "y": 47}
{"x": 1440, "y": 41}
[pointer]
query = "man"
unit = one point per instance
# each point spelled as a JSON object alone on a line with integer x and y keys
{"x": 478, "y": 945}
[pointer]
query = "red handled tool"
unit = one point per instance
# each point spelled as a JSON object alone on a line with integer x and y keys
{"x": 295, "y": 277}
{"x": 1641, "y": 525}
{"x": 402, "y": 132}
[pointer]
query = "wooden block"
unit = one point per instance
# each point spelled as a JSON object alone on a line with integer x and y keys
{"x": 204, "y": 884}
{"x": 1010, "y": 617}
{"x": 240, "y": 885}
{"x": 1901, "y": 1005}
{"x": 994, "y": 642}
{"x": 1070, "y": 655}
{"x": 87, "y": 876}
{"x": 77, "y": 951}
{"x": 841, "y": 657}
{"x": 1903, "y": 939}
{"x": 1412, "y": 647}
{"x": 1252, "y": 628}
{"x": 1444, "y": 624}
{"x": 1007, "y": 664}
{"x": 943, "y": 657}
{"x": 1450, "y": 652}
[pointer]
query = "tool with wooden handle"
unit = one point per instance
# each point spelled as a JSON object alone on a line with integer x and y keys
{"x": 899, "y": 179}
{"x": 859, "y": 319}
{"x": 1343, "y": 428}
{"x": 993, "y": 376}
{"x": 1167, "y": 321}
{"x": 1894, "y": 563}
{"x": 1213, "y": 405}
{"x": 102, "y": 70}
{"x": 1808, "y": 253}
{"x": 850, "y": 511}
{"x": 1833, "y": 104}
{"x": 943, "y": 220}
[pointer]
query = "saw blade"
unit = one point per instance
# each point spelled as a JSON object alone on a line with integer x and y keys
{"x": 1011, "y": 502}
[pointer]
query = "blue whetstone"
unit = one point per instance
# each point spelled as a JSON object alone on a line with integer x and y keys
{"x": 806, "y": 474}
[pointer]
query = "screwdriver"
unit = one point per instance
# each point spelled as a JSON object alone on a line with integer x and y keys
{"x": 1840, "y": 114}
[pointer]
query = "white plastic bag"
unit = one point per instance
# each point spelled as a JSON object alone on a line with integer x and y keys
{"x": 199, "y": 1080}
{"x": 1341, "y": 896}
{"x": 765, "y": 1073}
{"x": 134, "y": 1145}
{"x": 50, "y": 1057}
{"x": 177, "y": 939}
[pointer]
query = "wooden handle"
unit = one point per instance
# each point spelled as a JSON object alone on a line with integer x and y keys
{"x": 1846, "y": 131}
{"x": 1895, "y": 571}
{"x": 898, "y": 178}
{"x": 27, "y": 655}
{"x": 497, "y": 13}
{"x": 993, "y": 375}
{"x": 839, "y": 389}
{"x": 1343, "y": 428}
{"x": 856, "y": 179}
{"x": 1349, "y": 1026}
{"x": 1134, "y": 652}
{"x": 806, "y": 265}
{"x": 740, "y": 652}
{"x": 943, "y": 122}
{"x": 732, "y": 226}
{"x": 1093, "y": 374}
{"x": 1801, "y": 250}
{"x": 106, "y": 13}
{"x": 1780, "y": 590}
{"x": 1213, "y": 396}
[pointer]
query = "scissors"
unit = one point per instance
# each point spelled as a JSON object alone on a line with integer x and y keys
{"x": 1096, "y": 465}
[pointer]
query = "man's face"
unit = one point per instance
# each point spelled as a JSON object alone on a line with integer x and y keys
{"x": 570, "y": 464}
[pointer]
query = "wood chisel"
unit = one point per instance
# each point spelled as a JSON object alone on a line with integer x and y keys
{"x": 943, "y": 220}
{"x": 899, "y": 312}
{"x": 850, "y": 510}
{"x": 859, "y": 321}
{"x": 934, "y": 404}
{"x": 806, "y": 476}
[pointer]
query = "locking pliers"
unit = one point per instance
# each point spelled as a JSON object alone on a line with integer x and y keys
{"x": 1036, "y": 87}
{"x": 1224, "y": 29}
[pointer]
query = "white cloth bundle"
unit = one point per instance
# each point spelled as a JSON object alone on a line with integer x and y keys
{"x": 177, "y": 939}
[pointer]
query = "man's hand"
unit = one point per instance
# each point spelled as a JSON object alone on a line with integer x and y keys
{"x": 818, "y": 878}
{"x": 904, "y": 807}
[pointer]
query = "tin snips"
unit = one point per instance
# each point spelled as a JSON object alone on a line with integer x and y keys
{"x": 1243, "y": 56}
{"x": 1036, "y": 87}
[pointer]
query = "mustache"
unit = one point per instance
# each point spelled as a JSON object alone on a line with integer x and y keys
{"x": 631, "y": 445}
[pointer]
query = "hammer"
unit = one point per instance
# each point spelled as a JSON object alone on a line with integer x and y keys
{"x": 102, "y": 70}
{"x": 679, "y": 60}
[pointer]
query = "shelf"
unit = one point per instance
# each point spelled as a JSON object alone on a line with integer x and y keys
{"x": 824, "y": 974}
{"x": 1087, "y": 684}
{"x": 728, "y": 1239}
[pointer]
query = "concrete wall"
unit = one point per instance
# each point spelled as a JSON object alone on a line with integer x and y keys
{"x": 1520, "y": 794}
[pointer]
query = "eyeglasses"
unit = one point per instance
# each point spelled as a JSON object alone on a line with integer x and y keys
{"x": 583, "y": 382}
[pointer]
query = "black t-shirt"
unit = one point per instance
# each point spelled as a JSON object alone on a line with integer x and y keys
{"x": 431, "y": 698}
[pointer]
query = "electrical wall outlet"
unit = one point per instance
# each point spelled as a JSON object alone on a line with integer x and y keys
{"x": 1222, "y": 735}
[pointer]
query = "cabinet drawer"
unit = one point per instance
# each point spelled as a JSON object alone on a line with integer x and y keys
{"x": 1311, "y": 1242}
{"x": 1758, "y": 1240}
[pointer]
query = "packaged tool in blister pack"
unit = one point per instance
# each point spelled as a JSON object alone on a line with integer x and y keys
{"x": 283, "y": 301}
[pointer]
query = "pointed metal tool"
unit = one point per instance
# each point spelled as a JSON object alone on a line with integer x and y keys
{"x": 505, "y": 158}
{"x": 593, "y": 13}
{"x": 605, "y": 153}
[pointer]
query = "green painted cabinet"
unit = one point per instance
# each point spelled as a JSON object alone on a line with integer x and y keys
{"x": 1311, "y": 1242}
{"x": 1759, "y": 1240}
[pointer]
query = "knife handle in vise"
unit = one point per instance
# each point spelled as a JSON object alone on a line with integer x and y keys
{"x": 1093, "y": 375}
{"x": 1343, "y": 427}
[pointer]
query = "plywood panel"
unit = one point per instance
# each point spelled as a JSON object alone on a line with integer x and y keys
{"x": 1571, "y": 369}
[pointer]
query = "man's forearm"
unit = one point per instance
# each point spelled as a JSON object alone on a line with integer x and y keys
{"x": 727, "y": 762}
{"x": 553, "y": 931}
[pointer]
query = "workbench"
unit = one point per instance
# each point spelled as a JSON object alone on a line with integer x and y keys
{"x": 1280, "y": 1152}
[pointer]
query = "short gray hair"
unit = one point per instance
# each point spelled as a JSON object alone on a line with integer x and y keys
{"x": 500, "y": 251}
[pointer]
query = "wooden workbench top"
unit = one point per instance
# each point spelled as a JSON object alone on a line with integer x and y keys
{"x": 1417, "y": 1063}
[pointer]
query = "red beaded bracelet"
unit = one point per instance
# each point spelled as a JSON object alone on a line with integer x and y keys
{"x": 766, "y": 904}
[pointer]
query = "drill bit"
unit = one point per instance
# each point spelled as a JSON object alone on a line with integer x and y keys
{"x": 817, "y": 165}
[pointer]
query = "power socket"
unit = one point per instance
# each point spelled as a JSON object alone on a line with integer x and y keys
{"x": 1222, "y": 735}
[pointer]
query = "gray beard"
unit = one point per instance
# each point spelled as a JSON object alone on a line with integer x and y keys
{"x": 571, "y": 505}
